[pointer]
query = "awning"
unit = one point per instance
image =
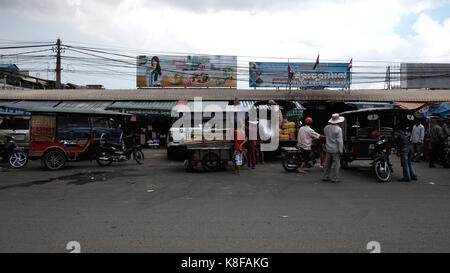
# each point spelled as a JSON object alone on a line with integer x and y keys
{"x": 144, "y": 107}
{"x": 365, "y": 105}
{"x": 410, "y": 105}
{"x": 87, "y": 105}
{"x": 76, "y": 111}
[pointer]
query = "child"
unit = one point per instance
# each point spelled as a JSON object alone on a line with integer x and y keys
{"x": 239, "y": 140}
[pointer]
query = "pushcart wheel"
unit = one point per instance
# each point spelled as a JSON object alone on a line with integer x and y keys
{"x": 189, "y": 168}
{"x": 211, "y": 162}
{"x": 54, "y": 160}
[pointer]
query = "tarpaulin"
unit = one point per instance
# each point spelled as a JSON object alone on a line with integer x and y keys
{"x": 438, "y": 109}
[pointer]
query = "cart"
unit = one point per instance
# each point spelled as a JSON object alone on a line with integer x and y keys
{"x": 211, "y": 155}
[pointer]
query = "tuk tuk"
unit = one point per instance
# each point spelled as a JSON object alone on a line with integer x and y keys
{"x": 368, "y": 135}
{"x": 58, "y": 135}
{"x": 12, "y": 133}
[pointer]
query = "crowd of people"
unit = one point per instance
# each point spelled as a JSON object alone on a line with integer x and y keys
{"x": 410, "y": 147}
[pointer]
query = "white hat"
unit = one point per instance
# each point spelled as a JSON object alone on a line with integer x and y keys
{"x": 335, "y": 118}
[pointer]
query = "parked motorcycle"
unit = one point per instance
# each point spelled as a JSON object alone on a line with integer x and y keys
{"x": 108, "y": 153}
{"x": 381, "y": 164}
{"x": 14, "y": 155}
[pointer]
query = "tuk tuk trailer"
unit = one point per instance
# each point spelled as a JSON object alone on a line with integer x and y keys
{"x": 55, "y": 142}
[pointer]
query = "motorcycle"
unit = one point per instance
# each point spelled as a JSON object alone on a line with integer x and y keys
{"x": 15, "y": 156}
{"x": 293, "y": 157}
{"x": 381, "y": 164}
{"x": 108, "y": 154}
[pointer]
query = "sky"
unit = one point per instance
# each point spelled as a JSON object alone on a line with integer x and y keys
{"x": 387, "y": 30}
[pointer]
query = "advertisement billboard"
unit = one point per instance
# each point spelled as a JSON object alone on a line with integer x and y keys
{"x": 301, "y": 75}
{"x": 425, "y": 75}
{"x": 186, "y": 71}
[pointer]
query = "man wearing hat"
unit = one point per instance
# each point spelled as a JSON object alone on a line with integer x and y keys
{"x": 334, "y": 147}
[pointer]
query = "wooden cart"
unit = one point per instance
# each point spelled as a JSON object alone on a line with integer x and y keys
{"x": 211, "y": 155}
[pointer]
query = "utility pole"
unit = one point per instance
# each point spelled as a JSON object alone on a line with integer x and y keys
{"x": 58, "y": 64}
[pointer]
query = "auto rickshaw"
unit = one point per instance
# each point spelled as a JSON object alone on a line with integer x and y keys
{"x": 368, "y": 135}
{"x": 58, "y": 135}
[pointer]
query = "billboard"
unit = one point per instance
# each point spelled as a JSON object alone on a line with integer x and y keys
{"x": 425, "y": 75}
{"x": 303, "y": 75}
{"x": 186, "y": 71}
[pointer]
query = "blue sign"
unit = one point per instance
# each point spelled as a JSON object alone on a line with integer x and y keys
{"x": 301, "y": 75}
{"x": 12, "y": 110}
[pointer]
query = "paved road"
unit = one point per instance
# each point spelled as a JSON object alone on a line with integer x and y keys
{"x": 158, "y": 207}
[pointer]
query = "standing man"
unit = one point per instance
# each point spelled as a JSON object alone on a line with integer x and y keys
{"x": 251, "y": 150}
{"x": 334, "y": 147}
{"x": 437, "y": 144}
{"x": 305, "y": 137}
{"x": 417, "y": 135}
{"x": 405, "y": 150}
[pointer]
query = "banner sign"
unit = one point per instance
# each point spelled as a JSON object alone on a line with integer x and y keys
{"x": 186, "y": 71}
{"x": 301, "y": 75}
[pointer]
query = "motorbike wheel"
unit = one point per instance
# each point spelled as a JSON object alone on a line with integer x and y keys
{"x": 382, "y": 170}
{"x": 18, "y": 159}
{"x": 54, "y": 160}
{"x": 101, "y": 162}
{"x": 290, "y": 164}
{"x": 138, "y": 155}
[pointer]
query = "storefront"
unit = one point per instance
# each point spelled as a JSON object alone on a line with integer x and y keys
{"x": 153, "y": 119}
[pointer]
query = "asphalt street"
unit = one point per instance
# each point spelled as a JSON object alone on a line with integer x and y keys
{"x": 158, "y": 207}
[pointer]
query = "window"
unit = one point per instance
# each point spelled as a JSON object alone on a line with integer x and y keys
{"x": 14, "y": 124}
{"x": 100, "y": 122}
{"x": 73, "y": 122}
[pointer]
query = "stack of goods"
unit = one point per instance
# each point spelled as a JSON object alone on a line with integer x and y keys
{"x": 288, "y": 131}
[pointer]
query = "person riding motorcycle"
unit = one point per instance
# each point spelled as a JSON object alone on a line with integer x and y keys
{"x": 305, "y": 137}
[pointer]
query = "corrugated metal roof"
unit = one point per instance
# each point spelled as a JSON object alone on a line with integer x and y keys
{"x": 88, "y": 105}
{"x": 143, "y": 105}
{"x": 35, "y": 103}
{"x": 164, "y": 94}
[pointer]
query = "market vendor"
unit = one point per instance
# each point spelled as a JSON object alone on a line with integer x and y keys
{"x": 280, "y": 114}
